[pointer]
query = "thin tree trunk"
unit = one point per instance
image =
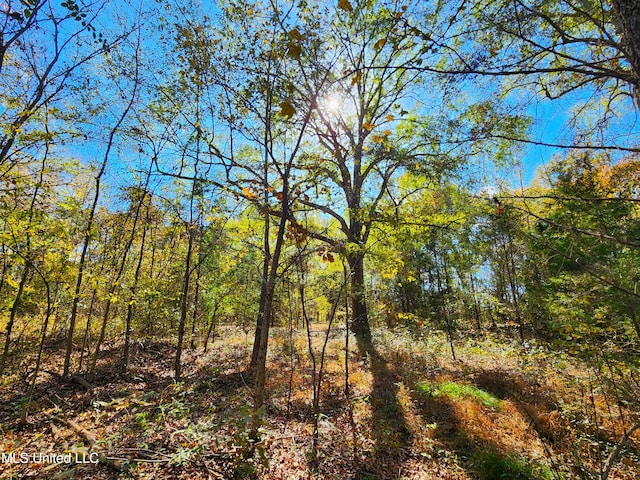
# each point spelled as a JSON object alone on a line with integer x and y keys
{"x": 43, "y": 336}
{"x": 260, "y": 369}
{"x": 132, "y": 299}
{"x": 85, "y": 339}
{"x": 28, "y": 265}
{"x": 184, "y": 303}
{"x": 194, "y": 316}
{"x": 12, "y": 317}
{"x": 511, "y": 274}
{"x": 212, "y": 328}
{"x": 291, "y": 349}
{"x": 263, "y": 297}
{"x": 149, "y": 325}
{"x": 5, "y": 263}
{"x": 474, "y": 298}
{"x": 103, "y": 332}
{"x": 346, "y": 336}
{"x": 136, "y": 276}
{"x": 445, "y": 310}
{"x": 317, "y": 372}
{"x": 87, "y": 235}
{"x": 114, "y": 286}
{"x": 271, "y": 262}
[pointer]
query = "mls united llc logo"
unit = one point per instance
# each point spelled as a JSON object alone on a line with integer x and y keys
{"x": 72, "y": 457}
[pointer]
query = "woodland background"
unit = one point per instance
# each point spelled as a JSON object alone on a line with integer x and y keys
{"x": 294, "y": 239}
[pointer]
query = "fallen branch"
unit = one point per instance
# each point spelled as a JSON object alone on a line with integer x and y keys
{"x": 613, "y": 456}
{"x": 90, "y": 440}
{"x": 74, "y": 378}
{"x": 81, "y": 381}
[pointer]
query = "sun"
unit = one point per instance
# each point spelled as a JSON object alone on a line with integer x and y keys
{"x": 332, "y": 103}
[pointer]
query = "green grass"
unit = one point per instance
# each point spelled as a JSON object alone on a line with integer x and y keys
{"x": 490, "y": 465}
{"x": 455, "y": 390}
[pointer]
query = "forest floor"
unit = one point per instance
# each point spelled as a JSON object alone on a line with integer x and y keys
{"x": 498, "y": 410}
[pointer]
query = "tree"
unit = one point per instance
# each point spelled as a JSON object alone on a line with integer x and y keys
{"x": 585, "y": 52}
{"x": 363, "y": 133}
{"x": 585, "y": 238}
{"x": 42, "y": 48}
{"x": 132, "y": 84}
{"x": 35, "y": 241}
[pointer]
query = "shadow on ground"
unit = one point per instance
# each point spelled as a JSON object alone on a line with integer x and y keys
{"x": 477, "y": 435}
{"x": 391, "y": 433}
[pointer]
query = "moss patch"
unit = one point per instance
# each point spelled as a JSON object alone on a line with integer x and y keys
{"x": 457, "y": 391}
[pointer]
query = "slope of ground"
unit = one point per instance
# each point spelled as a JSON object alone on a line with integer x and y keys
{"x": 411, "y": 412}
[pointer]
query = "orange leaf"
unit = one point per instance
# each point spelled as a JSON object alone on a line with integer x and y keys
{"x": 249, "y": 194}
{"x": 345, "y": 5}
{"x": 380, "y": 43}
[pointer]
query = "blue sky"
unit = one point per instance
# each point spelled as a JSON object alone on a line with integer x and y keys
{"x": 553, "y": 123}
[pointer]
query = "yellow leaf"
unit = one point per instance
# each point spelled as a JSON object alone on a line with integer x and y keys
{"x": 368, "y": 126}
{"x": 345, "y": 5}
{"x": 378, "y": 139}
{"x": 390, "y": 118}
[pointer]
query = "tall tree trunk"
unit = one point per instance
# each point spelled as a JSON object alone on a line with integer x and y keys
{"x": 115, "y": 283}
{"x": 149, "y": 325}
{"x": 87, "y": 235}
{"x": 86, "y": 344}
{"x": 184, "y": 304}
{"x": 626, "y": 17}
{"x": 28, "y": 265}
{"x": 264, "y": 317}
{"x": 262, "y": 303}
{"x": 132, "y": 298}
{"x": 196, "y": 298}
{"x": 511, "y": 277}
{"x": 48, "y": 313}
{"x": 5, "y": 267}
{"x": 87, "y": 329}
{"x": 136, "y": 276}
{"x": 12, "y": 317}
{"x": 359, "y": 314}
